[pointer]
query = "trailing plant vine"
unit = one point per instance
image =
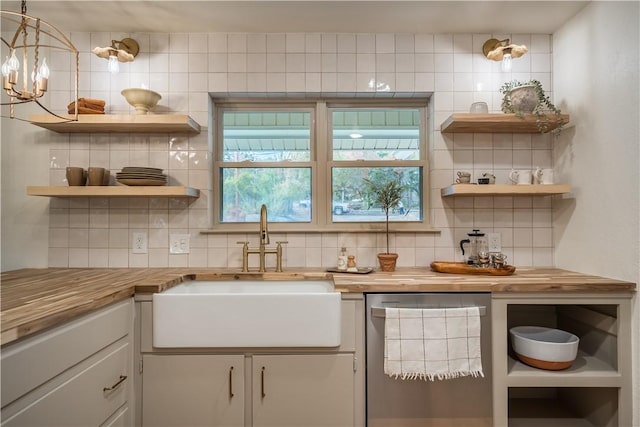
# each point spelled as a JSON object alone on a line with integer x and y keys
{"x": 543, "y": 108}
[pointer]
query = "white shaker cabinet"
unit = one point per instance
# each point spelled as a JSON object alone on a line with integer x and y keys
{"x": 303, "y": 390}
{"x": 282, "y": 387}
{"x": 595, "y": 391}
{"x": 287, "y": 390}
{"x": 193, "y": 390}
{"x": 76, "y": 374}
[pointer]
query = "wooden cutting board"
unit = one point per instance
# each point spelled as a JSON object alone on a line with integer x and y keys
{"x": 462, "y": 268}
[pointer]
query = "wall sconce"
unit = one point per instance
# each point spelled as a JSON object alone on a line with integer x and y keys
{"x": 120, "y": 51}
{"x": 25, "y": 73}
{"x": 501, "y": 50}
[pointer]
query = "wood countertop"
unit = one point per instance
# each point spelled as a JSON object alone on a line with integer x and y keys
{"x": 35, "y": 299}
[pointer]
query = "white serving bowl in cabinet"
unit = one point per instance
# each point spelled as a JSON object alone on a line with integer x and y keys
{"x": 544, "y": 348}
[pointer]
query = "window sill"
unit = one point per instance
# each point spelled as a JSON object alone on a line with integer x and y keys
{"x": 348, "y": 229}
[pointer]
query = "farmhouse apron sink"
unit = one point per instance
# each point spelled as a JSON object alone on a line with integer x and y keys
{"x": 248, "y": 313}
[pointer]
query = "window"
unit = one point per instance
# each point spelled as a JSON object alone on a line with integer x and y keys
{"x": 308, "y": 161}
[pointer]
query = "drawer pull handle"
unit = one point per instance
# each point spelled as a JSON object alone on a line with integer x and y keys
{"x": 116, "y": 385}
{"x": 262, "y": 383}
{"x": 230, "y": 382}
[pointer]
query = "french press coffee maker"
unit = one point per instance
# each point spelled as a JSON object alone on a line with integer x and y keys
{"x": 476, "y": 243}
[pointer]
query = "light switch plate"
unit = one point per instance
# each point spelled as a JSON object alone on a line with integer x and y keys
{"x": 179, "y": 243}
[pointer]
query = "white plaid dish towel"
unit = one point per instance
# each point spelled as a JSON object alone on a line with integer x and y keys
{"x": 442, "y": 343}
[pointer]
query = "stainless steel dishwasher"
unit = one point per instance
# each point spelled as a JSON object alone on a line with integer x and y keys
{"x": 410, "y": 403}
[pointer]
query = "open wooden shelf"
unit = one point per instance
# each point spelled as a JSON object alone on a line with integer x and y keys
{"x": 587, "y": 371}
{"x": 543, "y": 412}
{"x": 504, "y": 190}
{"x": 118, "y": 123}
{"x": 115, "y": 191}
{"x": 495, "y": 123}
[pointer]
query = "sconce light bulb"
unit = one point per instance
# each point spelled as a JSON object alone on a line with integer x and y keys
{"x": 113, "y": 66}
{"x": 506, "y": 62}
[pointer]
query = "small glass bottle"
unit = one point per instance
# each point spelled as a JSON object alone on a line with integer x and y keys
{"x": 351, "y": 261}
{"x": 342, "y": 259}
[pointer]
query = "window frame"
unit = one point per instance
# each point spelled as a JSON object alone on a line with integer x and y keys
{"x": 321, "y": 162}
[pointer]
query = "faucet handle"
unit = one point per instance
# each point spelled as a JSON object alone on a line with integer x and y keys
{"x": 282, "y": 242}
{"x": 242, "y": 243}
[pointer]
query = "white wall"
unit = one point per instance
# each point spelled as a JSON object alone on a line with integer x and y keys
{"x": 596, "y": 78}
{"x": 185, "y": 67}
{"x": 25, "y": 225}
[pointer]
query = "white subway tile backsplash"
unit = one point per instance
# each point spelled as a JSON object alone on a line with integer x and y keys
{"x": 540, "y": 43}
{"x": 443, "y": 82}
{"x": 443, "y": 62}
{"x": 424, "y": 43}
{"x": 540, "y": 63}
{"x": 184, "y": 67}
{"x": 385, "y": 43}
{"x": 78, "y": 258}
{"x": 346, "y": 62}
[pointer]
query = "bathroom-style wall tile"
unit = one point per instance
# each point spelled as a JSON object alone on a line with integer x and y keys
{"x": 185, "y": 67}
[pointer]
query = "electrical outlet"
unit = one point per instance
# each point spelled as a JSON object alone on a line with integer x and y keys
{"x": 495, "y": 242}
{"x": 139, "y": 245}
{"x": 179, "y": 243}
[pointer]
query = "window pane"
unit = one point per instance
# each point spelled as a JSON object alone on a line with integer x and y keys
{"x": 382, "y": 134}
{"x": 266, "y": 136}
{"x": 353, "y": 203}
{"x": 244, "y": 190}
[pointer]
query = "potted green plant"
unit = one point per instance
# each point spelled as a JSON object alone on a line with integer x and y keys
{"x": 522, "y": 98}
{"x": 388, "y": 195}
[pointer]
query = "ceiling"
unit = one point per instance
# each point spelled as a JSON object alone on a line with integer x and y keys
{"x": 341, "y": 16}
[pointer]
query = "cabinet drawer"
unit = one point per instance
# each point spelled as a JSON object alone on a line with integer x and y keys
{"x": 82, "y": 399}
{"x": 35, "y": 360}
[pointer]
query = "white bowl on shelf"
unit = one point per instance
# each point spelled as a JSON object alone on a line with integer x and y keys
{"x": 141, "y": 99}
{"x": 544, "y": 348}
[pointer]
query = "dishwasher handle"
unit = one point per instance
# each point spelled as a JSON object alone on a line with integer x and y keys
{"x": 380, "y": 311}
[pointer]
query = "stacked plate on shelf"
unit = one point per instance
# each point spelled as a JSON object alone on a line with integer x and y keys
{"x": 133, "y": 175}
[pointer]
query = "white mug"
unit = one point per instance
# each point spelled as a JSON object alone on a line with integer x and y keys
{"x": 521, "y": 177}
{"x": 463, "y": 178}
{"x": 543, "y": 176}
{"x": 479, "y": 108}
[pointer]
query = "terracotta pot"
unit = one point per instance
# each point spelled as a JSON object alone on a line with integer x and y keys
{"x": 524, "y": 98}
{"x": 387, "y": 262}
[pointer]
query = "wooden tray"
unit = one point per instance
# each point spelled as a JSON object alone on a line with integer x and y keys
{"x": 361, "y": 270}
{"x": 462, "y": 268}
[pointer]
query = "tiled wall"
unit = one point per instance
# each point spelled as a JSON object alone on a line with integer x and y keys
{"x": 185, "y": 67}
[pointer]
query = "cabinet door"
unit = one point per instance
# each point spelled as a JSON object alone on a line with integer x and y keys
{"x": 193, "y": 390}
{"x": 303, "y": 390}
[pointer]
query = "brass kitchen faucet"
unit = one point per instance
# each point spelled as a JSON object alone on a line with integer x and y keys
{"x": 262, "y": 249}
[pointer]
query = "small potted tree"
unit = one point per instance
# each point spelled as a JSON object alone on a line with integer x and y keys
{"x": 522, "y": 98}
{"x": 387, "y": 194}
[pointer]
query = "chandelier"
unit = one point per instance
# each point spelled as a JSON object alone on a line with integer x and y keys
{"x": 25, "y": 72}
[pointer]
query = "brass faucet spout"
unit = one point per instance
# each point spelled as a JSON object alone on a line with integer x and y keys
{"x": 264, "y": 232}
{"x": 262, "y": 250}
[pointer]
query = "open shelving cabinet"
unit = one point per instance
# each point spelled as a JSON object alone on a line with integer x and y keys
{"x": 496, "y": 123}
{"x": 118, "y": 123}
{"x": 115, "y": 191}
{"x": 600, "y": 376}
{"x": 504, "y": 190}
